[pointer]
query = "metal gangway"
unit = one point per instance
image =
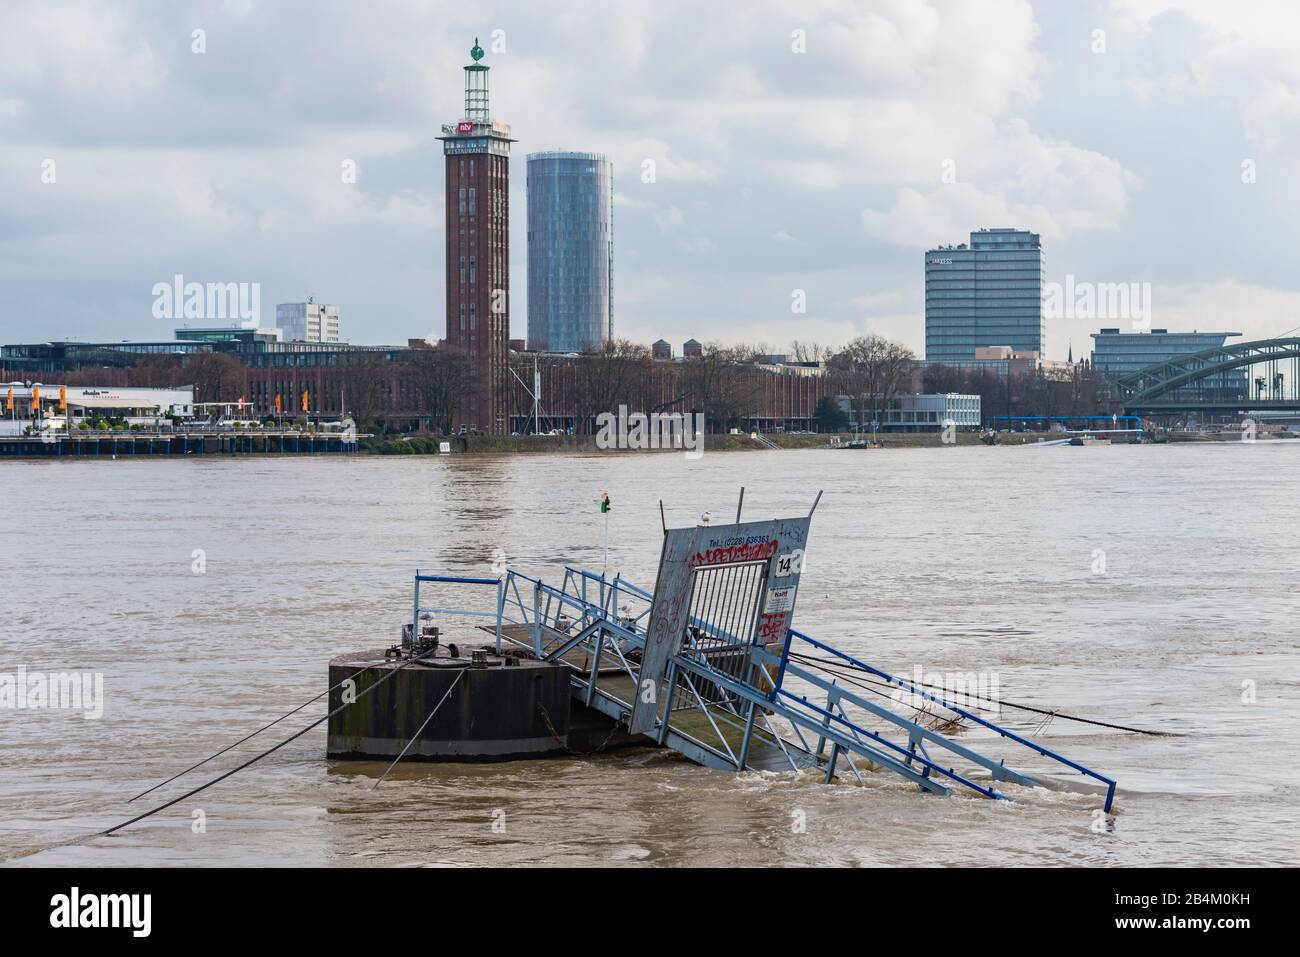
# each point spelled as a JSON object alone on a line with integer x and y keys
{"x": 710, "y": 666}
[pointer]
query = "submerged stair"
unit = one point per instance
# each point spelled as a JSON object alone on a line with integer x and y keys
{"x": 711, "y": 666}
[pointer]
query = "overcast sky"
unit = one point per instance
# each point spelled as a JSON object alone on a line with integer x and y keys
{"x": 775, "y": 170}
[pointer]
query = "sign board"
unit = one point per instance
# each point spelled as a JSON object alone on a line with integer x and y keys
{"x": 444, "y": 447}
{"x": 778, "y": 544}
{"x": 779, "y": 599}
{"x": 464, "y": 127}
{"x": 668, "y": 611}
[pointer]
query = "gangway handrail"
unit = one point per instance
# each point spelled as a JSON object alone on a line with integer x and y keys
{"x": 760, "y": 699}
{"x": 600, "y": 623}
{"x": 635, "y": 589}
{"x": 702, "y": 668}
{"x": 1003, "y": 732}
{"x": 915, "y": 731}
{"x": 902, "y": 683}
{"x": 498, "y": 583}
{"x": 615, "y": 584}
{"x": 456, "y": 580}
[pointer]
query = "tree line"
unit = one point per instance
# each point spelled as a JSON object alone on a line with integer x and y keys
{"x": 725, "y": 383}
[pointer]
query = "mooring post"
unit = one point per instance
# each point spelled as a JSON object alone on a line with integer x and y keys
{"x": 835, "y": 757}
{"x": 415, "y": 612}
{"x": 749, "y": 733}
{"x": 537, "y": 618}
{"x": 501, "y": 608}
{"x": 668, "y": 702}
{"x": 826, "y": 720}
{"x": 595, "y": 666}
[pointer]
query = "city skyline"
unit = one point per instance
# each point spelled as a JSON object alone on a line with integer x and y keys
{"x": 774, "y": 171}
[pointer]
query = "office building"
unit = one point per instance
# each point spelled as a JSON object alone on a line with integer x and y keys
{"x": 570, "y": 252}
{"x": 985, "y": 293}
{"x": 919, "y": 412}
{"x": 1003, "y": 361}
{"x": 1117, "y": 354}
{"x": 307, "y": 321}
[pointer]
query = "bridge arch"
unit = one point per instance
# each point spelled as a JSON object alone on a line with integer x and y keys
{"x": 1151, "y": 388}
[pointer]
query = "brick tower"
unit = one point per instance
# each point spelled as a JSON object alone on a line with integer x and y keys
{"x": 477, "y": 152}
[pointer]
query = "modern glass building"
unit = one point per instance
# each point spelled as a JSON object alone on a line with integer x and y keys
{"x": 308, "y": 321}
{"x": 570, "y": 251}
{"x": 1118, "y": 354}
{"x": 921, "y": 412}
{"x": 987, "y": 293}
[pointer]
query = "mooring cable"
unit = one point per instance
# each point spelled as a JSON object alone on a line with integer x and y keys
{"x": 270, "y": 750}
{"x": 460, "y": 674}
{"x": 541, "y": 709}
{"x": 829, "y": 662}
{"x": 245, "y": 738}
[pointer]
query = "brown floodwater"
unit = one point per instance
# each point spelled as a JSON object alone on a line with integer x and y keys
{"x": 949, "y": 559}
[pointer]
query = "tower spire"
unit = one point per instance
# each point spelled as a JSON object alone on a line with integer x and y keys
{"x": 476, "y": 87}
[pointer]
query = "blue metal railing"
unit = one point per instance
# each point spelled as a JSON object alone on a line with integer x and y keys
{"x": 998, "y": 729}
{"x": 417, "y": 608}
{"x": 607, "y": 633}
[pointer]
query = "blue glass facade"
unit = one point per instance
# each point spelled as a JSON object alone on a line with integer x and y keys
{"x": 1118, "y": 354}
{"x": 570, "y": 251}
{"x": 987, "y": 293}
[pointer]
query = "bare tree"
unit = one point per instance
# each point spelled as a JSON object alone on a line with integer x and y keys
{"x": 617, "y": 375}
{"x": 723, "y": 384}
{"x": 809, "y": 351}
{"x": 216, "y": 376}
{"x": 443, "y": 379}
{"x": 156, "y": 371}
{"x": 873, "y": 370}
{"x": 365, "y": 387}
{"x": 944, "y": 379}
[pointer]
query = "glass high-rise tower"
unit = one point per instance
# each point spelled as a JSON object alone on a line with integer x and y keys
{"x": 987, "y": 293}
{"x": 570, "y": 251}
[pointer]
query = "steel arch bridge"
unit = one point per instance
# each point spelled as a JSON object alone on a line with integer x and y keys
{"x": 1171, "y": 387}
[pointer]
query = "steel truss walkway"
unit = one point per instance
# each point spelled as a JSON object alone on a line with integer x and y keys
{"x": 736, "y": 704}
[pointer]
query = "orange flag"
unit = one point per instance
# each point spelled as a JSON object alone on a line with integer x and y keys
{"x": 36, "y": 398}
{"x": 9, "y": 400}
{"x": 63, "y": 398}
{"x": 277, "y": 403}
{"x": 304, "y": 400}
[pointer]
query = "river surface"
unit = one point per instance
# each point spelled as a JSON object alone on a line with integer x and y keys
{"x": 1150, "y": 586}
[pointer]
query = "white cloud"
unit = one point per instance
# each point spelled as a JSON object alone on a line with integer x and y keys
{"x": 669, "y": 219}
{"x": 1243, "y": 53}
{"x": 227, "y": 164}
{"x": 1053, "y": 188}
{"x": 697, "y": 245}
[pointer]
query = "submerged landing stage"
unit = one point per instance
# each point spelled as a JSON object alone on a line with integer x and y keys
{"x": 708, "y": 665}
